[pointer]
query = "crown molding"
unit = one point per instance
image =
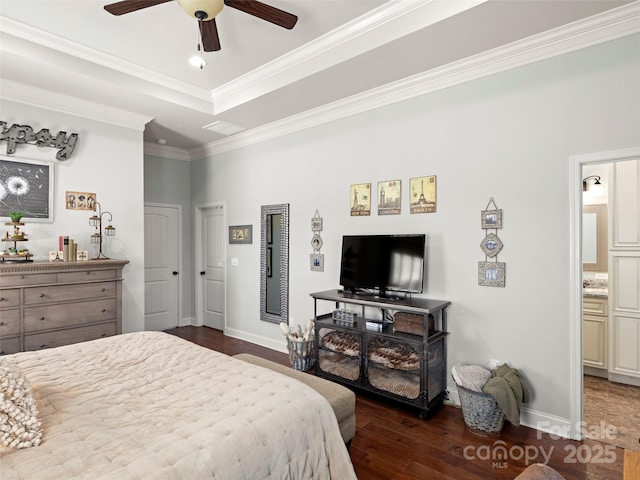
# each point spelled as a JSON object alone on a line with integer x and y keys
{"x": 165, "y": 151}
{"x": 175, "y": 90}
{"x": 384, "y": 24}
{"x": 613, "y": 24}
{"x": 37, "y": 97}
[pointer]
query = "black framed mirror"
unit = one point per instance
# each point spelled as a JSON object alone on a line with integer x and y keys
{"x": 274, "y": 263}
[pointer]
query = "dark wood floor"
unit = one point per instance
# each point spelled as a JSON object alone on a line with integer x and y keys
{"x": 391, "y": 442}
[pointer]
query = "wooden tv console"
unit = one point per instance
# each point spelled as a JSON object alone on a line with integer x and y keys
{"x": 411, "y": 369}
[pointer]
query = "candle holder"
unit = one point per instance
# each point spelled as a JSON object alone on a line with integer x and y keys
{"x": 109, "y": 230}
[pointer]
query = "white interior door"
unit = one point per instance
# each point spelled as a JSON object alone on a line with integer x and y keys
{"x": 161, "y": 267}
{"x": 213, "y": 267}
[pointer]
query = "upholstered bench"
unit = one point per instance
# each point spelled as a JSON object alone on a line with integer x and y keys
{"x": 341, "y": 399}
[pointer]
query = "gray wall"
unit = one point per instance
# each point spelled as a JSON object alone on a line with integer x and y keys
{"x": 508, "y": 136}
{"x": 168, "y": 181}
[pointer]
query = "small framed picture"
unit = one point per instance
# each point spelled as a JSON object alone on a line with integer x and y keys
{"x": 82, "y": 255}
{"x": 491, "y": 219}
{"x": 80, "y": 200}
{"x": 241, "y": 234}
{"x": 423, "y": 194}
{"x": 53, "y": 255}
{"x": 491, "y": 245}
{"x": 491, "y": 274}
{"x": 389, "y": 198}
{"x": 317, "y": 262}
{"x": 360, "y": 199}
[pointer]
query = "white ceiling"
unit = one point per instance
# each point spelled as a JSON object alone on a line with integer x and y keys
{"x": 138, "y": 62}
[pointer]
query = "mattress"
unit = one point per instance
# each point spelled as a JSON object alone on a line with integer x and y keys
{"x": 151, "y": 405}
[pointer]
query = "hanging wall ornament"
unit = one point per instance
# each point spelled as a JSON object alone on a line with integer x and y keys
{"x": 316, "y": 258}
{"x": 491, "y": 273}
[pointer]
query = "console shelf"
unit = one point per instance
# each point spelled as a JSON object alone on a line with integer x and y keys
{"x": 407, "y": 368}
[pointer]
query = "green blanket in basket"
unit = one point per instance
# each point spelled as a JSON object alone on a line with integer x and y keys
{"x": 507, "y": 387}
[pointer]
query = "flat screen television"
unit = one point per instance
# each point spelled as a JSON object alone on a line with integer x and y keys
{"x": 383, "y": 263}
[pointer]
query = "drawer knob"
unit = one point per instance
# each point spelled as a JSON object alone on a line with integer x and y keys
{"x": 43, "y": 345}
{"x": 1, "y": 324}
{"x": 103, "y": 335}
{"x": 1, "y": 299}
{"x": 88, "y": 273}
{"x": 41, "y": 318}
{"x": 104, "y": 310}
{"x": 41, "y": 295}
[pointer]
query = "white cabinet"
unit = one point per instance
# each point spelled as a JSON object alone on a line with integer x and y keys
{"x": 594, "y": 332}
{"x": 624, "y": 271}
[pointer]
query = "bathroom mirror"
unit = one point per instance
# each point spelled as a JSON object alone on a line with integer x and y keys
{"x": 594, "y": 238}
{"x": 274, "y": 263}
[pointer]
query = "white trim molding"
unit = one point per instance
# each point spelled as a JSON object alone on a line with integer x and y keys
{"x": 610, "y": 25}
{"x": 382, "y": 25}
{"x": 28, "y": 95}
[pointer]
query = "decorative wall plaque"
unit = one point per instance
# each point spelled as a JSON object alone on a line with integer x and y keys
{"x": 18, "y": 134}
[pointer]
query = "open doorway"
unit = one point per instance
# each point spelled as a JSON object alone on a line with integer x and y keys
{"x": 603, "y": 406}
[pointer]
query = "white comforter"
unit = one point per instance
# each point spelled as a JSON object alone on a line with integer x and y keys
{"x": 151, "y": 405}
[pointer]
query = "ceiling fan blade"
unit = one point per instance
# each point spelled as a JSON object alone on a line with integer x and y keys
{"x": 209, "y": 34}
{"x": 265, "y": 12}
{"x": 128, "y": 6}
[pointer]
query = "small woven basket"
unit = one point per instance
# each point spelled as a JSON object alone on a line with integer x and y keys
{"x": 482, "y": 414}
{"x": 301, "y": 355}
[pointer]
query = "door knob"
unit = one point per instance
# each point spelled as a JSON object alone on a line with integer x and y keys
{"x": 202, "y": 272}
{"x": 175, "y": 273}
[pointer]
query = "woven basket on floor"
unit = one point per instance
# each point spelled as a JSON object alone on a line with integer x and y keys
{"x": 482, "y": 414}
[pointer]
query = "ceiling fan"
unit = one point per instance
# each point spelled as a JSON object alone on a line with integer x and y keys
{"x": 205, "y": 11}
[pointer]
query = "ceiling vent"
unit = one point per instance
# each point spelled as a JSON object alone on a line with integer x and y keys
{"x": 224, "y": 128}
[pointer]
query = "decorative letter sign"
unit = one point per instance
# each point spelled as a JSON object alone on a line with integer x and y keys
{"x": 24, "y": 134}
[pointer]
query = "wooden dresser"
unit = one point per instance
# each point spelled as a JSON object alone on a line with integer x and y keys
{"x": 48, "y": 304}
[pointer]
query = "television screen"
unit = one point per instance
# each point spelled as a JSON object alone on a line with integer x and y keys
{"x": 383, "y": 262}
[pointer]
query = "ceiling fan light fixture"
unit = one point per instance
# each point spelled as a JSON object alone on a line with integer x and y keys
{"x": 195, "y": 8}
{"x": 197, "y": 61}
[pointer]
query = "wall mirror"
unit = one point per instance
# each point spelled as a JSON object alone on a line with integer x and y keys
{"x": 274, "y": 263}
{"x": 594, "y": 238}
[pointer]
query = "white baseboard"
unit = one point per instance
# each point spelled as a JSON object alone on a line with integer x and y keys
{"x": 541, "y": 421}
{"x": 279, "y": 346}
{"x": 187, "y": 321}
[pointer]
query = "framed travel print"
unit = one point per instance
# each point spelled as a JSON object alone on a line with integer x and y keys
{"x": 360, "y": 199}
{"x": 423, "y": 194}
{"x": 26, "y": 186}
{"x": 389, "y": 198}
{"x": 491, "y": 274}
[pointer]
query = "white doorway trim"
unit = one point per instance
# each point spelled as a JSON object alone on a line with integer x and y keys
{"x": 178, "y": 208}
{"x": 198, "y": 260}
{"x": 576, "y": 163}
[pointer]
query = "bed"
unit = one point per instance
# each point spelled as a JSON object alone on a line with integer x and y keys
{"x": 152, "y": 405}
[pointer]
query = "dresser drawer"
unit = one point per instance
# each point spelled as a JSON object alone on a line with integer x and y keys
{"x": 32, "y": 279}
{"x": 86, "y": 276}
{"x": 64, "y": 293}
{"x": 10, "y": 323}
{"x": 68, "y": 315}
{"x": 9, "y": 298}
{"x": 39, "y": 341}
{"x": 9, "y": 345}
